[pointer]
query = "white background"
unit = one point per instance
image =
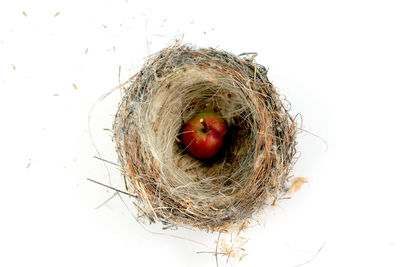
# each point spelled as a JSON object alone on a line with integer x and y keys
{"x": 337, "y": 62}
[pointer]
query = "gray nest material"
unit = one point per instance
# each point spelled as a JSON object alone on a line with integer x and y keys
{"x": 172, "y": 186}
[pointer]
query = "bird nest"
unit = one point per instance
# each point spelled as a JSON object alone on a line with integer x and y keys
{"x": 252, "y": 169}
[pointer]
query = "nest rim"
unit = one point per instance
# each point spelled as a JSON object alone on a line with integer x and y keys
{"x": 240, "y": 89}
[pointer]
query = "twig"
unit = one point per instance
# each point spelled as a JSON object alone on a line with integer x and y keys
{"x": 216, "y": 249}
{"x": 230, "y": 252}
{"x": 108, "y": 199}
{"x": 313, "y": 258}
{"x": 319, "y": 137}
{"x": 96, "y": 157}
{"x": 210, "y": 252}
{"x": 249, "y": 53}
{"x": 113, "y": 188}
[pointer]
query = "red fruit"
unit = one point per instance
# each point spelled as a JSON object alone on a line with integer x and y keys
{"x": 203, "y": 135}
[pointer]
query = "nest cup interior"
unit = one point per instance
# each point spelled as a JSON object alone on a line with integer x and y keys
{"x": 171, "y": 185}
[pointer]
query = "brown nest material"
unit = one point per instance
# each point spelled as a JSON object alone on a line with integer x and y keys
{"x": 173, "y": 187}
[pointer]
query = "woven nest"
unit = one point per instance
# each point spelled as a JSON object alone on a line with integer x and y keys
{"x": 177, "y": 189}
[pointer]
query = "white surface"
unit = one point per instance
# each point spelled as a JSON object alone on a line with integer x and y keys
{"x": 336, "y": 61}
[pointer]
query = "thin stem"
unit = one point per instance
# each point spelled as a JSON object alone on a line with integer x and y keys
{"x": 205, "y": 125}
{"x": 113, "y": 188}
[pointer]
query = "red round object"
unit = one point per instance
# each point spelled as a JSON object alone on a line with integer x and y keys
{"x": 203, "y": 135}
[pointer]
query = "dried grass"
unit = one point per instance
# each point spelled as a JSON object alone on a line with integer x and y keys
{"x": 172, "y": 186}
